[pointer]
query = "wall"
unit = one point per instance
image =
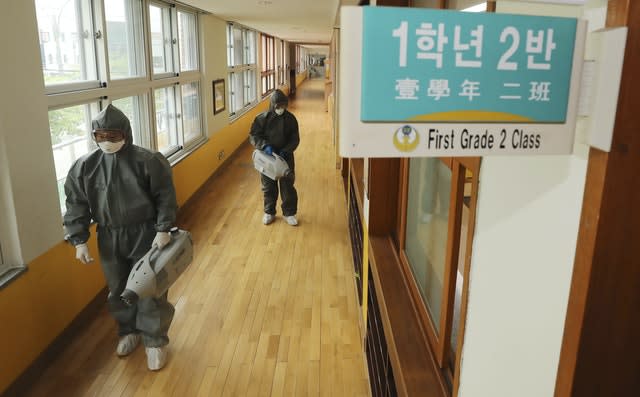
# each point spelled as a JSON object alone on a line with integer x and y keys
{"x": 523, "y": 253}
{"x": 192, "y": 172}
{"x": 28, "y": 186}
{"x": 40, "y": 304}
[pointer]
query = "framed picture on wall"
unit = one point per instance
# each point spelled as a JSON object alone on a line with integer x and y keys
{"x": 218, "y": 96}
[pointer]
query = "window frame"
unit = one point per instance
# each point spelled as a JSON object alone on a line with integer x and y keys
{"x": 282, "y": 65}
{"x": 196, "y": 31}
{"x": 246, "y": 72}
{"x": 143, "y": 139}
{"x": 172, "y": 28}
{"x": 302, "y": 59}
{"x": 267, "y": 66}
{"x": 438, "y": 339}
{"x": 140, "y": 30}
{"x": 93, "y": 9}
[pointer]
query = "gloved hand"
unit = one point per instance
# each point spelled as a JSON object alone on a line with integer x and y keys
{"x": 161, "y": 239}
{"x": 82, "y": 253}
{"x": 268, "y": 149}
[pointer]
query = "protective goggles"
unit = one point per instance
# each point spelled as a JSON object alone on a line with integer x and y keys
{"x": 104, "y": 135}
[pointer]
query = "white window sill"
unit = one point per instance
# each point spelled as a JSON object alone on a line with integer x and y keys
{"x": 8, "y": 274}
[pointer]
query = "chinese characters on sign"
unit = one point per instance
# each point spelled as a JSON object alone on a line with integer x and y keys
{"x": 446, "y": 66}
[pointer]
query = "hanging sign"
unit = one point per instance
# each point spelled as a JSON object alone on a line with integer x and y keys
{"x": 448, "y": 83}
{"x": 457, "y": 66}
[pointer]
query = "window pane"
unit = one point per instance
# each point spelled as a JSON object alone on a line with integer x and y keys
{"x": 263, "y": 66}
{"x": 188, "y": 41}
{"x": 191, "y": 125}
{"x": 250, "y": 47}
{"x": 134, "y": 108}
{"x": 237, "y": 91}
{"x": 249, "y": 86}
{"x": 427, "y": 228}
{"x": 271, "y": 54}
{"x": 124, "y": 38}
{"x": 66, "y": 41}
{"x": 229, "y": 45}
{"x": 237, "y": 46}
{"x": 160, "y": 21}
{"x": 166, "y": 128}
{"x": 70, "y": 139}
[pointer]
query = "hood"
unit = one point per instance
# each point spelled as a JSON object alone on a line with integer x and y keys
{"x": 278, "y": 97}
{"x": 113, "y": 118}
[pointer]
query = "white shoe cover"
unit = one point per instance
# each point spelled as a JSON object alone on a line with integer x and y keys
{"x": 291, "y": 220}
{"x": 127, "y": 344}
{"x": 268, "y": 218}
{"x": 156, "y": 357}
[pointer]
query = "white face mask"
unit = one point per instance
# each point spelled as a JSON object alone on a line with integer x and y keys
{"x": 111, "y": 147}
{"x": 279, "y": 111}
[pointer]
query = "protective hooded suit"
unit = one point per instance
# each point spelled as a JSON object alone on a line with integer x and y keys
{"x": 281, "y": 133}
{"x": 130, "y": 195}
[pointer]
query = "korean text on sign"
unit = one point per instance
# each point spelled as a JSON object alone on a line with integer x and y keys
{"x": 453, "y": 66}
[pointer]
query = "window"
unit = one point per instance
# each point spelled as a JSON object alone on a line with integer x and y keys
{"x": 161, "y": 40}
{"x": 242, "y": 68}
{"x": 435, "y": 248}
{"x": 427, "y": 225}
{"x": 282, "y": 65}
{"x": 188, "y": 41}
{"x": 70, "y": 137}
{"x": 268, "y": 72}
{"x": 166, "y": 119}
{"x": 87, "y": 70}
{"x": 67, "y": 44}
{"x": 177, "y": 115}
{"x": 125, "y": 38}
{"x": 136, "y": 109}
{"x": 302, "y": 60}
{"x": 190, "y": 115}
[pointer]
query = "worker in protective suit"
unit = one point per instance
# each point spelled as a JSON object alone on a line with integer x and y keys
{"x": 276, "y": 131}
{"x": 128, "y": 191}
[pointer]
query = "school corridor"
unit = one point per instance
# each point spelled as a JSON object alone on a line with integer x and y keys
{"x": 262, "y": 310}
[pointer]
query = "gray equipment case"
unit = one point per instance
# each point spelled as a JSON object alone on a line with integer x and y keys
{"x": 158, "y": 269}
{"x": 270, "y": 165}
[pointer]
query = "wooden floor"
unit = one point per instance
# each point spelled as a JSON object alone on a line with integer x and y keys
{"x": 262, "y": 310}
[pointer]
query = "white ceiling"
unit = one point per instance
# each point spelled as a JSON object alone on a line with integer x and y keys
{"x": 298, "y": 21}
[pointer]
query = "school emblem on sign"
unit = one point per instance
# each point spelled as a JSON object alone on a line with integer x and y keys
{"x": 406, "y": 138}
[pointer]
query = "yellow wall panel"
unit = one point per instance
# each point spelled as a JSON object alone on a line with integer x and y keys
{"x": 40, "y": 304}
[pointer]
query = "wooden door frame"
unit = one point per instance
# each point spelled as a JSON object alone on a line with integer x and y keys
{"x": 601, "y": 337}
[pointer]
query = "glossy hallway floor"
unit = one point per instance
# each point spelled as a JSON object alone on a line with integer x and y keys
{"x": 262, "y": 310}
